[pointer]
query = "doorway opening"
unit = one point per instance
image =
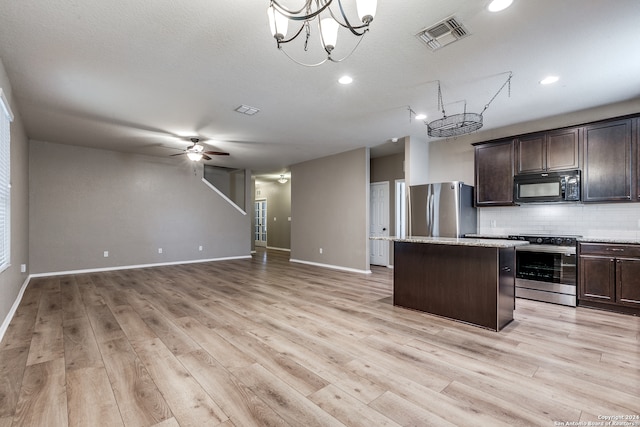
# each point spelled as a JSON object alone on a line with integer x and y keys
{"x": 379, "y": 223}
{"x": 260, "y": 223}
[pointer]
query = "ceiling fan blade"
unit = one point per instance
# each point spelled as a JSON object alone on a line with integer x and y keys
{"x": 204, "y": 156}
{"x": 217, "y": 153}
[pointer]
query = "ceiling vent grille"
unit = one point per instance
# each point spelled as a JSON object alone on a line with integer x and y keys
{"x": 443, "y": 33}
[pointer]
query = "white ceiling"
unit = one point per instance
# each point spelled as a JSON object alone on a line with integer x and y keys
{"x": 133, "y": 75}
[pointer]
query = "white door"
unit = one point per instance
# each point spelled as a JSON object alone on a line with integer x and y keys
{"x": 260, "y": 223}
{"x": 379, "y": 223}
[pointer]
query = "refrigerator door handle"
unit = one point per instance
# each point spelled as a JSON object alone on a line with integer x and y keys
{"x": 430, "y": 214}
{"x": 409, "y": 222}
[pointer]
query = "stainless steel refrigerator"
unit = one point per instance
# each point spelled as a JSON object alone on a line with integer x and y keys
{"x": 441, "y": 210}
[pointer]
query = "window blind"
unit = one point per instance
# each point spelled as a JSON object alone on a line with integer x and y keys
{"x": 6, "y": 117}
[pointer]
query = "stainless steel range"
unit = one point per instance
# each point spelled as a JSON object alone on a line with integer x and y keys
{"x": 546, "y": 269}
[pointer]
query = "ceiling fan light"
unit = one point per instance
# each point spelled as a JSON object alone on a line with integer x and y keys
{"x": 282, "y": 179}
{"x": 329, "y": 32}
{"x": 278, "y": 23}
{"x": 194, "y": 156}
{"x": 366, "y": 10}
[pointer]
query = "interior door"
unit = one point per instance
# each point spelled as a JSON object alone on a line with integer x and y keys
{"x": 260, "y": 223}
{"x": 379, "y": 223}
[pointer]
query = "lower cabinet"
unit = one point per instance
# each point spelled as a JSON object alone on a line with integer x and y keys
{"x": 609, "y": 276}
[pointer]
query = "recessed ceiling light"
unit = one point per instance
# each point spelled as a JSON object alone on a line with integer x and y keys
{"x": 549, "y": 80}
{"x": 498, "y": 5}
{"x": 421, "y": 116}
{"x": 345, "y": 80}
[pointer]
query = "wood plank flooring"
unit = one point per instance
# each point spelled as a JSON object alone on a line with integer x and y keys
{"x": 266, "y": 342}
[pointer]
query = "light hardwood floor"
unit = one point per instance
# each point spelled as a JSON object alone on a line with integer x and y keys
{"x": 268, "y": 342}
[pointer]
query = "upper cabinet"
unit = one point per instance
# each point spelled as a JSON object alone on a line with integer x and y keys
{"x": 494, "y": 167}
{"x": 548, "y": 151}
{"x": 608, "y": 168}
{"x": 607, "y": 152}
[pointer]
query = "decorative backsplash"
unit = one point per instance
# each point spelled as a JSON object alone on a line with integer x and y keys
{"x": 611, "y": 220}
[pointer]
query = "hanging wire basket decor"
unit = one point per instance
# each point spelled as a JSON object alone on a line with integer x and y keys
{"x": 457, "y": 124}
{"x": 460, "y": 124}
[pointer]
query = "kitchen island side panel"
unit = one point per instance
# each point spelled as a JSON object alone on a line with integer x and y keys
{"x": 458, "y": 282}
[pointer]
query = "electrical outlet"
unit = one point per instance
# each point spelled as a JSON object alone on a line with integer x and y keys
{"x": 106, "y": 254}
{"x": 320, "y": 250}
{"x": 159, "y": 250}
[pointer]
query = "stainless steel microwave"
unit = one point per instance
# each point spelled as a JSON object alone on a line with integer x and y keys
{"x": 547, "y": 187}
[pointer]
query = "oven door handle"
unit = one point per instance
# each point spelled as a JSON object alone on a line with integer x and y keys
{"x": 561, "y": 250}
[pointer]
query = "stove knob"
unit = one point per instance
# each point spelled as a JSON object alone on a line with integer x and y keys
{"x": 558, "y": 241}
{"x": 539, "y": 240}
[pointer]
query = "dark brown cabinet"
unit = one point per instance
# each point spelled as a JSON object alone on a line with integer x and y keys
{"x": 609, "y": 276}
{"x": 472, "y": 284}
{"x": 494, "y": 168}
{"x": 548, "y": 151}
{"x": 608, "y": 172}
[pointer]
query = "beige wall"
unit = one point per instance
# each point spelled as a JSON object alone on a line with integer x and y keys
{"x": 85, "y": 201}
{"x": 11, "y": 280}
{"x": 330, "y": 210}
{"x": 278, "y": 197}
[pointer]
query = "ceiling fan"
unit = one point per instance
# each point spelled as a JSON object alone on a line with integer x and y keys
{"x": 196, "y": 151}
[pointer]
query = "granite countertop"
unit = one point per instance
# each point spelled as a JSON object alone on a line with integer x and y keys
{"x": 621, "y": 240}
{"x": 461, "y": 241}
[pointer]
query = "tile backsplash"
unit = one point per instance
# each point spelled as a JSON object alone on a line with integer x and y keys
{"x": 611, "y": 220}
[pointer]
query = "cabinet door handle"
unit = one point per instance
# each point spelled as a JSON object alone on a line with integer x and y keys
{"x": 615, "y": 249}
{"x": 507, "y": 269}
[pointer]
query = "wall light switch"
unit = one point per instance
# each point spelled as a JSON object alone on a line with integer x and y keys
{"x": 289, "y": 219}
{"x": 159, "y": 250}
{"x": 492, "y": 224}
{"x": 23, "y": 268}
{"x": 274, "y": 218}
{"x": 199, "y": 248}
{"x": 320, "y": 250}
{"x": 106, "y": 254}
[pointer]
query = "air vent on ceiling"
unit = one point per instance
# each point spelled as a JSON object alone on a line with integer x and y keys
{"x": 443, "y": 33}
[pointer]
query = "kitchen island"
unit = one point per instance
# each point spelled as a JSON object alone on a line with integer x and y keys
{"x": 469, "y": 280}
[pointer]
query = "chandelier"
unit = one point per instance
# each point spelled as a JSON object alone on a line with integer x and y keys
{"x": 460, "y": 124}
{"x": 330, "y": 18}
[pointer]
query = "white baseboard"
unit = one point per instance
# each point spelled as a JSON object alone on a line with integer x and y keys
{"x": 14, "y": 308}
{"x": 279, "y": 249}
{"x": 332, "y": 267}
{"x": 129, "y": 267}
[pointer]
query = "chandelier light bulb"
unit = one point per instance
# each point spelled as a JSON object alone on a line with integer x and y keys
{"x": 366, "y": 10}
{"x": 329, "y": 30}
{"x": 278, "y": 23}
